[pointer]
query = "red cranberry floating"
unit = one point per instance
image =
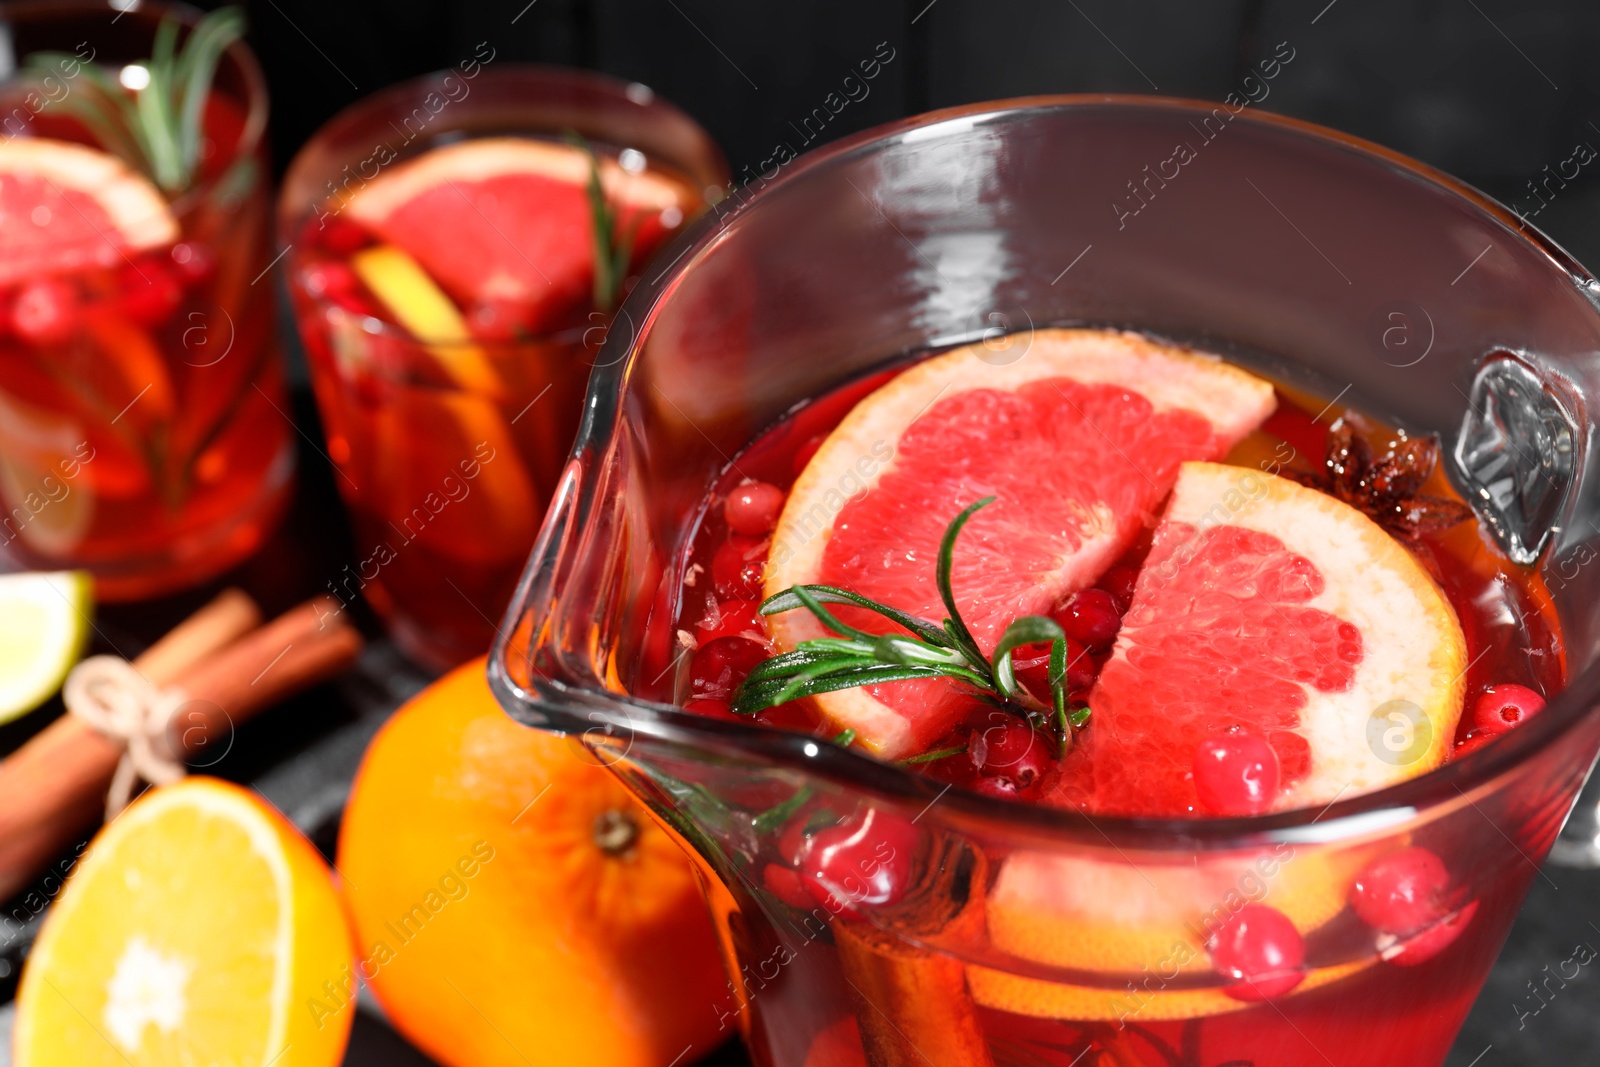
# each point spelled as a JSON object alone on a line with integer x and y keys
{"x": 719, "y": 666}
{"x": 1470, "y": 745}
{"x": 787, "y": 886}
{"x": 1236, "y": 774}
{"x": 864, "y": 860}
{"x": 737, "y": 566}
{"x": 149, "y": 292}
{"x": 1031, "y": 664}
{"x": 753, "y": 508}
{"x": 344, "y": 238}
{"x": 1119, "y": 582}
{"x": 45, "y": 312}
{"x": 330, "y": 280}
{"x": 1261, "y": 948}
{"x": 1090, "y": 616}
{"x": 1011, "y": 757}
{"x": 194, "y": 260}
{"x": 1503, "y": 707}
{"x": 1402, "y": 892}
{"x": 1432, "y": 941}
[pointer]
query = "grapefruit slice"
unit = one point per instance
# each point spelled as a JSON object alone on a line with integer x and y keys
{"x": 1274, "y": 609}
{"x": 504, "y": 222}
{"x": 200, "y": 927}
{"x": 1079, "y": 439}
{"x": 66, "y": 207}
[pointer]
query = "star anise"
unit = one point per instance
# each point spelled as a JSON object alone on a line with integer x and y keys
{"x": 1387, "y": 487}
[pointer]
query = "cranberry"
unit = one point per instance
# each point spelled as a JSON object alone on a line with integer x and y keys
{"x": 150, "y": 292}
{"x": 1090, "y": 616}
{"x": 1012, "y": 758}
{"x": 1502, "y": 707}
{"x": 330, "y": 280}
{"x": 803, "y": 455}
{"x": 712, "y": 708}
{"x": 1432, "y": 941}
{"x": 753, "y": 508}
{"x": 1470, "y": 745}
{"x": 1236, "y": 774}
{"x": 194, "y": 260}
{"x": 1119, "y": 582}
{"x": 733, "y": 618}
{"x": 1402, "y": 892}
{"x": 1261, "y": 948}
{"x": 344, "y": 238}
{"x": 787, "y": 885}
{"x": 719, "y": 666}
{"x": 736, "y": 567}
{"x": 864, "y": 860}
{"x": 45, "y": 312}
{"x": 1031, "y": 665}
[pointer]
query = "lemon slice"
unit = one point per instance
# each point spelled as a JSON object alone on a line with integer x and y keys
{"x": 44, "y": 624}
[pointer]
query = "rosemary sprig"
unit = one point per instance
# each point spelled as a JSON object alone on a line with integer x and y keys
{"x": 159, "y": 128}
{"x": 926, "y": 650}
{"x": 613, "y": 247}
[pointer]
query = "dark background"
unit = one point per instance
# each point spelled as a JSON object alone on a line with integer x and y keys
{"x": 1492, "y": 91}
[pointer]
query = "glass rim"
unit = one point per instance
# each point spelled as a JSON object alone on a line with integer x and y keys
{"x": 339, "y": 125}
{"x": 572, "y": 696}
{"x": 256, "y": 105}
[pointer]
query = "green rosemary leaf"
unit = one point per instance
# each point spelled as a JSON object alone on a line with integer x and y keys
{"x": 195, "y": 69}
{"x": 1024, "y": 630}
{"x": 787, "y": 600}
{"x": 1058, "y": 675}
{"x": 826, "y": 617}
{"x": 774, "y": 817}
{"x": 747, "y": 700}
{"x": 603, "y": 219}
{"x": 159, "y": 129}
{"x": 1079, "y": 716}
{"x": 936, "y": 754}
{"x": 955, "y": 624}
{"x": 845, "y": 738}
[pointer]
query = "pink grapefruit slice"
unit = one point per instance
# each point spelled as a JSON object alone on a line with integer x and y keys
{"x": 505, "y": 223}
{"x": 1270, "y": 608}
{"x": 1079, "y": 438}
{"x": 67, "y": 207}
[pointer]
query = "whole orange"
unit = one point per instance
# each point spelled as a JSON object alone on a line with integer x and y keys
{"x": 513, "y": 904}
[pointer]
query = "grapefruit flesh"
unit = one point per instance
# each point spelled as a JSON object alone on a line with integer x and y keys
{"x": 1269, "y": 607}
{"x": 67, "y": 207}
{"x": 1079, "y": 439}
{"x": 504, "y": 222}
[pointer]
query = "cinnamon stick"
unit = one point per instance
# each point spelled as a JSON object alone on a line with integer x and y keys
{"x": 54, "y": 786}
{"x": 912, "y": 1003}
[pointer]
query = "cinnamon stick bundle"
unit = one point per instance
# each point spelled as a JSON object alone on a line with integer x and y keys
{"x": 228, "y": 667}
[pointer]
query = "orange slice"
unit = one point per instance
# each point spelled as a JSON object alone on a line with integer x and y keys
{"x": 1079, "y": 437}
{"x": 1139, "y": 924}
{"x": 199, "y": 928}
{"x": 1271, "y": 608}
{"x": 421, "y": 307}
{"x": 67, "y": 207}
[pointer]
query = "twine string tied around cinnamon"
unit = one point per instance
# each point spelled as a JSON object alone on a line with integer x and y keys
{"x": 110, "y": 695}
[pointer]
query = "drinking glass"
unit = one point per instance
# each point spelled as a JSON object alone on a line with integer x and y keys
{"x": 144, "y": 434}
{"x": 446, "y": 481}
{"x": 1030, "y": 935}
